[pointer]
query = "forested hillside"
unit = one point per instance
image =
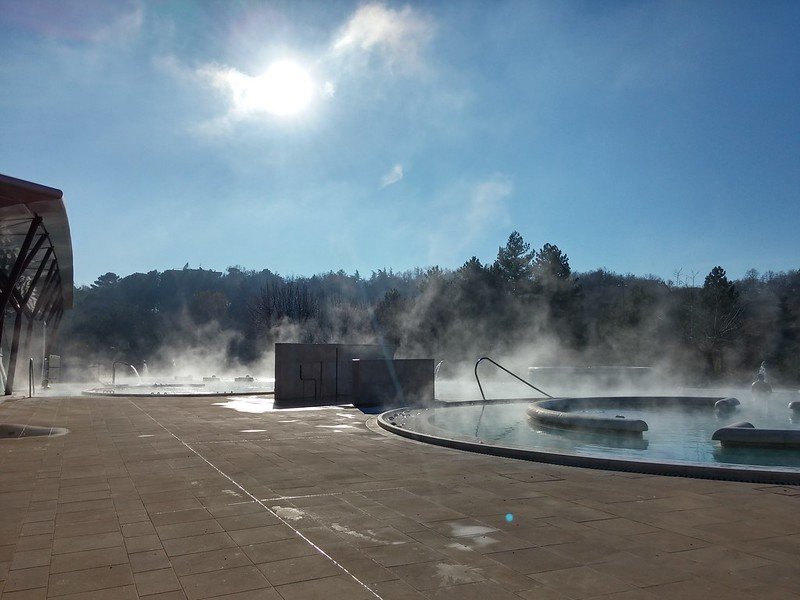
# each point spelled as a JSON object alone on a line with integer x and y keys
{"x": 527, "y": 303}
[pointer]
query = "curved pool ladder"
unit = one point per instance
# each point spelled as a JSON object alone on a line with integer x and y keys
{"x": 480, "y": 387}
{"x": 499, "y": 366}
{"x": 114, "y": 370}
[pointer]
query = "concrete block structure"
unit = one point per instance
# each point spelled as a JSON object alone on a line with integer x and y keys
{"x": 398, "y": 382}
{"x": 320, "y": 373}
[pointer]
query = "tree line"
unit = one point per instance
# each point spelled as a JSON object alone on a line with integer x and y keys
{"x": 527, "y": 303}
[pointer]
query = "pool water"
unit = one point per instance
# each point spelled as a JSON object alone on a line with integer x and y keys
{"x": 674, "y": 436}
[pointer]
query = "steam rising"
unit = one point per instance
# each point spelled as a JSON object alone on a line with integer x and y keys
{"x": 526, "y": 309}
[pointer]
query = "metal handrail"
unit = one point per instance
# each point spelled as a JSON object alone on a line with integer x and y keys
{"x": 31, "y": 387}
{"x": 499, "y": 366}
{"x": 114, "y": 370}
{"x": 480, "y": 387}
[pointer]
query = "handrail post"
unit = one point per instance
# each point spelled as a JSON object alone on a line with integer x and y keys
{"x": 31, "y": 388}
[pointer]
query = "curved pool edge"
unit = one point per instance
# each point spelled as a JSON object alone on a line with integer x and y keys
{"x": 674, "y": 469}
{"x": 126, "y": 393}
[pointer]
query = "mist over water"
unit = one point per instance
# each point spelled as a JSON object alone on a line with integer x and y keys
{"x": 675, "y": 435}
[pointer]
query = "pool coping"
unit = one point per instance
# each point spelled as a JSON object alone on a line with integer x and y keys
{"x": 95, "y": 392}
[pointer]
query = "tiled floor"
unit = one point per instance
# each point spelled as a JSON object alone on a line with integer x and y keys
{"x": 171, "y": 498}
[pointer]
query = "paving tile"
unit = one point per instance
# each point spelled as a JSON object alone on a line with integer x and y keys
{"x": 26, "y": 579}
{"x": 481, "y": 590}
{"x": 301, "y": 568}
{"x": 358, "y": 565}
{"x": 582, "y": 582}
{"x": 142, "y": 543}
{"x": 86, "y": 542}
{"x": 698, "y": 589}
{"x": 621, "y": 526}
{"x": 34, "y": 542}
{"x": 31, "y": 558}
{"x": 247, "y": 521}
{"x": 532, "y": 560}
{"x": 431, "y": 575}
{"x": 402, "y": 554}
{"x": 259, "y": 594}
{"x": 173, "y": 505}
{"x": 236, "y": 508}
{"x": 227, "y": 581}
{"x": 73, "y": 529}
{"x": 212, "y": 560}
{"x": 278, "y": 550}
{"x": 181, "y": 530}
{"x": 173, "y": 595}
{"x": 33, "y": 594}
{"x": 7, "y": 552}
{"x": 138, "y": 529}
{"x": 339, "y": 586}
{"x": 86, "y": 505}
{"x": 38, "y": 528}
{"x": 198, "y": 543}
{"x": 136, "y": 516}
{"x": 124, "y": 592}
{"x": 255, "y": 535}
{"x": 149, "y": 560}
{"x": 155, "y": 582}
{"x": 99, "y": 578}
{"x": 397, "y": 590}
{"x": 180, "y": 516}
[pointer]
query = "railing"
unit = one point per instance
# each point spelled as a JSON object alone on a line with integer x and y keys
{"x": 480, "y": 387}
{"x": 499, "y": 366}
{"x": 436, "y": 369}
{"x": 31, "y": 388}
{"x": 114, "y": 370}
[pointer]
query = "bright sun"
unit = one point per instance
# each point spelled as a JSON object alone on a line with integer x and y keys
{"x": 285, "y": 89}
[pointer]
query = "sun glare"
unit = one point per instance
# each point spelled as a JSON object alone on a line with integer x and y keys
{"x": 285, "y": 89}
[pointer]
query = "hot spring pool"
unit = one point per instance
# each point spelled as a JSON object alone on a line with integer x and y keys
{"x": 677, "y": 442}
{"x": 210, "y": 387}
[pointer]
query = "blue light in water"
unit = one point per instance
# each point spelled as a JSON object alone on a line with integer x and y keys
{"x": 509, "y": 517}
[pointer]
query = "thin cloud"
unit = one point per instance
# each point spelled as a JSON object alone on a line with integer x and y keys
{"x": 464, "y": 214}
{"x": 399, "y": 36}
{"x": 393, "y": 176}
{"x": 78, "y": 20}
{"x": 488, "y": 203}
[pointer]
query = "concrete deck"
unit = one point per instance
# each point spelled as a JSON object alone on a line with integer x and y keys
{"x": 173, "y": 498}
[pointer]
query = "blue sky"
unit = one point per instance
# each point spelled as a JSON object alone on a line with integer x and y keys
{"x": 643, "y": 137}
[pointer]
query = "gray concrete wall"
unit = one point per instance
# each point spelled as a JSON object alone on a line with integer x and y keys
{"x": 398, "y": 382}
{"x": 316, "y": 373}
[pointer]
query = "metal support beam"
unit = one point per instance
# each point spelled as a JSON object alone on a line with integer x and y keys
{"x": 12, "y": 354}
{"x": 35, "y": 280}
{"x": 23, "y": 260}
{"x": 39, "y": 302}
{"x": 53, "y": 336}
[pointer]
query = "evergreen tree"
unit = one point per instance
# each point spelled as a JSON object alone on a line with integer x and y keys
{"x": 551, "y": 263}
{"x": 514, "y": 264}
{"x": 720, "y": 317}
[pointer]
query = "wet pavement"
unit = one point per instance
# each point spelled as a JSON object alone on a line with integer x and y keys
{"x": 170, "y": 498}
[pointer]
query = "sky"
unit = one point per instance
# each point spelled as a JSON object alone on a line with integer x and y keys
{"x": 650, "y": 137}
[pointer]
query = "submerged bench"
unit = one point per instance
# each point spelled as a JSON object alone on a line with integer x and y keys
{"x": 746, "y": 434}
